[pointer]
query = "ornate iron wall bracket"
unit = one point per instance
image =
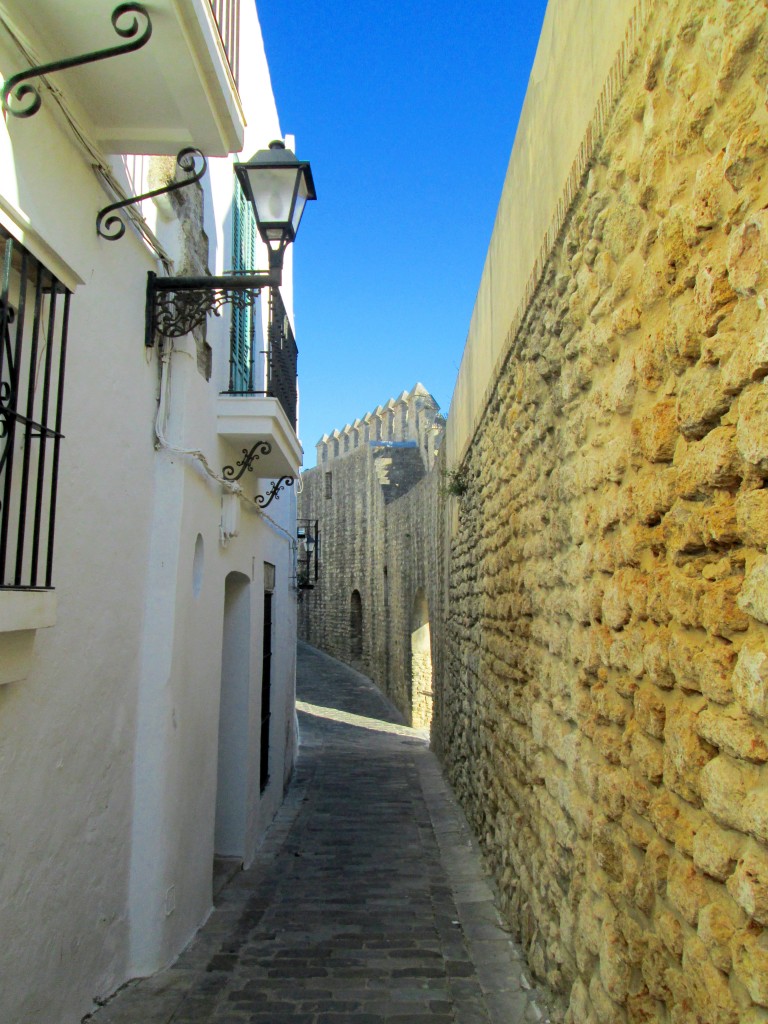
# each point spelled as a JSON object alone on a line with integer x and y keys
{"x": 263, "y": 500}
{"x": 111, "y": 227}
{"x": 28, "y": 95}
{"x": 176, "y": 305}
{"x": 247, "y": 461}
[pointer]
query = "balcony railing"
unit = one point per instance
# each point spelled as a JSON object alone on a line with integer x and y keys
{"x": 282, "y": 357}
{"x": 277, "y": 366}
{"x": 227, "y": 15}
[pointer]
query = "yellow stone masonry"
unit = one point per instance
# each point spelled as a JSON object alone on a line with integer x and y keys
{"x": 603, "y": 692}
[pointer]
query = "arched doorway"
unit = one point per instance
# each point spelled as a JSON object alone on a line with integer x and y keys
{"x": 421, "y": 689}
{"x": 231, "y": 791}
{"x": 356, "y": 626}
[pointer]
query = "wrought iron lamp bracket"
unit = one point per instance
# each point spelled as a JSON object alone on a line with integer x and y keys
{"x": 176, "y": 305}
{"x": 17, "y": 88}
{"x": 263, "y": 500}
{"x": 111, "y": 227}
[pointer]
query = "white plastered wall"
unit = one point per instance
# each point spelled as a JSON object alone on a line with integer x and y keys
{"x": 108, "y": 748}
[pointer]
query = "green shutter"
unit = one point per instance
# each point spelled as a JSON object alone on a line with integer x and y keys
{"x": 243, "y": 258}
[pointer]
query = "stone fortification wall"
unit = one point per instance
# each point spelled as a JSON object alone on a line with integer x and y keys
{"x": 377, "y": 510}
{"x": 604, "y": 705}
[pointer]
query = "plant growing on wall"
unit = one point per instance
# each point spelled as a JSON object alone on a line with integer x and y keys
{"x": 455, "y": 482}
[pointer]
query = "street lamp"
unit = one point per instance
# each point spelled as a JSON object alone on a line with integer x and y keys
{"x": 308, "y": 535}
{"x": 278, "y": 186}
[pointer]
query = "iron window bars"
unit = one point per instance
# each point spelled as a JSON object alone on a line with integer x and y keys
{"x": 34, "y": 313}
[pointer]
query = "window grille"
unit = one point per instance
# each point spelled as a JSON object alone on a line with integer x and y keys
{"x": 241, "y": 368}
{"x": 34, "y": 312}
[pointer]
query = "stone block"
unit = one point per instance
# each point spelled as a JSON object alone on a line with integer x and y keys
{"x": 755, "y": 814}
{"x": 685, "y": 753}
{"x": 644, "y": 754}
{"x": 731, "y": 730}
{"x": 707, "y": 986}
{"x": 752, "y": 428}
{"x": 747, "y": 252}
{"x": 655, "y": 433}
{"x": 724, "y": 784}
{"x": 713, "y": 462}
{"x": 686, "y": 889}
{"x": 753, "y": 598}
{"x": 650, "y": 711}
{"x": 656, "y": 660}
{"x": 752, "y": 517}
{"x": 748, "y": 884}
{"x": 717, "y": 925}
{"x": 749, "y": 949}
{"x": 720, "y": 608}
{"x": 715, "y": 297}
{"x": 716, "y": 850}
{"x": 706, "y": 204}
{"x": 746, "y": 151}
{"x": 615, "y": 966}
{"x": 701, "y": 401}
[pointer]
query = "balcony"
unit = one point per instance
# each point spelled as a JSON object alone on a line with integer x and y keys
{"x": 179, "y": 89}
{"x": 260, "y": 403}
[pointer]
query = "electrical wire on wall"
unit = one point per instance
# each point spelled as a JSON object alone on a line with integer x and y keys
{"x": 161, "y": 424}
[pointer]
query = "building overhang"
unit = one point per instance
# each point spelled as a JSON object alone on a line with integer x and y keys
{"x": 177, "y": 90}
{"x": 243, "y": 420}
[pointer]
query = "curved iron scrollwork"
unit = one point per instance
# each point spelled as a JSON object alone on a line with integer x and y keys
{"x": 28, "y": 97}
{"x": 178, "y": 313}
{"x": 7, "y": 387}
{"x": 249, "y": 457}
{"x": 111, "y": 227}
{"x": 263, "y": 500}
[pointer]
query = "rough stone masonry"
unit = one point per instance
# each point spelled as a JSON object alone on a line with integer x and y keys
{"x": 598, "y": 594}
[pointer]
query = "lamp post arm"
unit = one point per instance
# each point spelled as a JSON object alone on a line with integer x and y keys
{"x": 176, "y": 305}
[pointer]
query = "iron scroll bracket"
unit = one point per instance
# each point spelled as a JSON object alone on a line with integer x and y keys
{"x": 250, "y": 456}
{"x": 246, "y": 463}
{"x": 111, "y": 227}
{"x": 17, "y": 87}
{"x": 263, "y": 500}
{"x": 177, "y": 305}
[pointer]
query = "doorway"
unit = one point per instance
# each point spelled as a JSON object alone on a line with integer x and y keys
{"x": 232, "y": 771}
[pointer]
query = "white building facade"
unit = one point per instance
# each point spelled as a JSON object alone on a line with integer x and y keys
{"x": 147, "y": 596}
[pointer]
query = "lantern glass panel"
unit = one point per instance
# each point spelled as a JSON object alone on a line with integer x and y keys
{"x": 272, "y": 189}
{"x": 301, "y": 199}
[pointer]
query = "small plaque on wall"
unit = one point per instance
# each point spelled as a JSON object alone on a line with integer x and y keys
{"x": 269, "y": 577}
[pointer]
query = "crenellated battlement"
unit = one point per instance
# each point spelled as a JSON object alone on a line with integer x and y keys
{"x": 411, "y": 419}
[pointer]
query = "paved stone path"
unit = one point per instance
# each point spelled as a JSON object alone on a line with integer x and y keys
{"x": 367, "y": 902}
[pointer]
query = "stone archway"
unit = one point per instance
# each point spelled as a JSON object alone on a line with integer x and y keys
{"x": 422, "y": 687}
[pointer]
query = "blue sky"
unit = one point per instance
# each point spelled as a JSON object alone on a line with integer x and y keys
{"x": 407, "y": 113}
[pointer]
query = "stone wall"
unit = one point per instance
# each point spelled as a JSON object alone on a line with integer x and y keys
{"x": 606, "y": 672}
{"x": 377, "y": 511}
{"x": 597, "y": 585}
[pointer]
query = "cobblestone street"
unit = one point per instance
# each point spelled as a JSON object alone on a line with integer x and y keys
{"x": 367, "y": 902}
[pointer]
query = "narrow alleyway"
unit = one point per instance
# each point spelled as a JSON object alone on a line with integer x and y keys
{"x": 367, "y": 902}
